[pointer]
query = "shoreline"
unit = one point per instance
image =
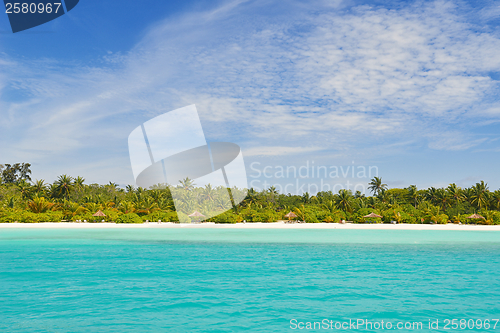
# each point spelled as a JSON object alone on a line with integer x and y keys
{"x": 253, "y": 225}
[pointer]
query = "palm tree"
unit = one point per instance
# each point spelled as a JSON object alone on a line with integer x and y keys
{"x": 397, "y": 216}
{"x": 208, "y": 193}
{"x": 330, "y": 206}
{"x": 468, "y": 193}
{"x": 358, "y": 194}
{"x": 495, "y": 199}
{"x": 11, "y": 202}
{"x": 384, "y": 196}
{"x": 93, "y": 207}
{"x": 71, "y": 209}
{"x": 24, "y": 188}
{"x": 185, "y": 201}
{"x": 52, "y": 190}
{"x": 112, "y": 185}
{"x": 252, "y": 197}
{"x": 442, "y": 198}
{"x": 343, "y": 200}
{"x": 165, "y": 204}
{"x": 372, "y": 202}
{"x": 156, "y": 195}
{"x": 429, "y": 211}
{"x": 79, "y": 182}
{"x": 360, "y": 202}
{"x": 39, "y": 205}
{"x": 301, "y": 212}
{"x": 147, "y": 206}
{"x": 187, "y": 184}
{"x": 480, "y": 196}
{"x": 413, "y": 194}
{"x": 126, "y": 207}
{"x": 223, "y": 203}
{"x": 99, "y": 199}
{"x": 273, "y": 192}
{"x": 431, "y": 195}
{"x": 64, "y": 185}
{"x": 306, "y": 198}
{"x": 137, "y": 199}
{"x": 455, "y": 193}
{"x": 376, "y": 185}
{"x": 39, "y": 187}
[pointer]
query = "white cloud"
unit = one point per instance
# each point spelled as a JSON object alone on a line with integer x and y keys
{"x": 274, "y": 77}
{"x": 279, "y": 151}
{"x": 453, "y": 140}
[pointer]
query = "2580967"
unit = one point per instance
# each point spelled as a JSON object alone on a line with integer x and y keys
{"x": 25, "y": 8}
{"x": 455, "y": 324}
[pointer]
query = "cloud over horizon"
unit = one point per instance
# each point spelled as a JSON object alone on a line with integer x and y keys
{"x": 276, "y": 78}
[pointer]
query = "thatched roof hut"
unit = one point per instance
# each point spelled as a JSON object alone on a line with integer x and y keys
{"x": 291, "y": 215}
{"x": 475, "y": 216}
{"x": 99, "y": 213}
{"x": 196, "y": 214}
{"x": 372, "y": 215}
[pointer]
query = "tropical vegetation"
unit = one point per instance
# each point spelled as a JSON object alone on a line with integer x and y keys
{"x": 71, "y": 199}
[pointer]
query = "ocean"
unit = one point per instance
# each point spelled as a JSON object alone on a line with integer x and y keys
{"x": 238, "y": 280}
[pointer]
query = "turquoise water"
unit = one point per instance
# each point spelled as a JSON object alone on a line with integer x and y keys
{"x": 213, "y": 280}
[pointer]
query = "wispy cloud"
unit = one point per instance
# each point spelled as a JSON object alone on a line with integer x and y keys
{"x": 269, "y": 76}
{"x": 279, "y": 151}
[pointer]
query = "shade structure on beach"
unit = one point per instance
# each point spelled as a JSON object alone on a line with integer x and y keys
{"x": 291, "y": 215}
{"x": 99, "y": 213}
{"x": 372, "y": 215}
{"x": 196, "y": 214}
{"x": 475, "y": 216}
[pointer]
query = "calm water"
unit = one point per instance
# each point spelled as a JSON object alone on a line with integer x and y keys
{"x": 178, "y": 280}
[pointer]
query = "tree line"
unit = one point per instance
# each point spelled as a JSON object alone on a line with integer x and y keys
{"x": 70, "y": 199}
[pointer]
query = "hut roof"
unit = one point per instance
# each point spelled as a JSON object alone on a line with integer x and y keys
{"x": 196, "y": 214}
{"x": 372, "y": 215}
{"x": 291, "y": 214}
{"x": 99, "y": 213}
{"x": 475, "y": 216}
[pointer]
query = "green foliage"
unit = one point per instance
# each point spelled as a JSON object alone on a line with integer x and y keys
{"x": 12, "y": 216}
{"x": 69, "y": 198}
{"x": 129, "y": 218}
{"x": 329, "y": 216}
{"x": 183, "y": 218}
{"x": 12, "y": 174}
{"x": 344, "y": 201}
{"x": 399, "y": 194}
{"x": 161, "y": 216}
{"x": 376, "y": 185}
{"x": 227, "y": 217}
{"x": 400, "y": 215}
{"x": 493, "y": 217}
{"x": 84, "y": 217}
{"x": 111, "y": 215}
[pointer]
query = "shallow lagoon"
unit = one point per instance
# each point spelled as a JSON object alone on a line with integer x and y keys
{"x": 223, "y": 280}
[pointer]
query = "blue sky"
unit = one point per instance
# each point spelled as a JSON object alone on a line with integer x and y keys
{"x": 409, "y": 87}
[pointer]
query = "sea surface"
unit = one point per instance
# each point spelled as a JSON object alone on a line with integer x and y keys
{"x": 236, "y": 280}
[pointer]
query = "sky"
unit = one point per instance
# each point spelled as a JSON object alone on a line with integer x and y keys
{"x": 407, "y": 89}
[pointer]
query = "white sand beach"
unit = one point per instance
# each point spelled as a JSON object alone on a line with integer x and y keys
{"x": 256, "y": 225}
